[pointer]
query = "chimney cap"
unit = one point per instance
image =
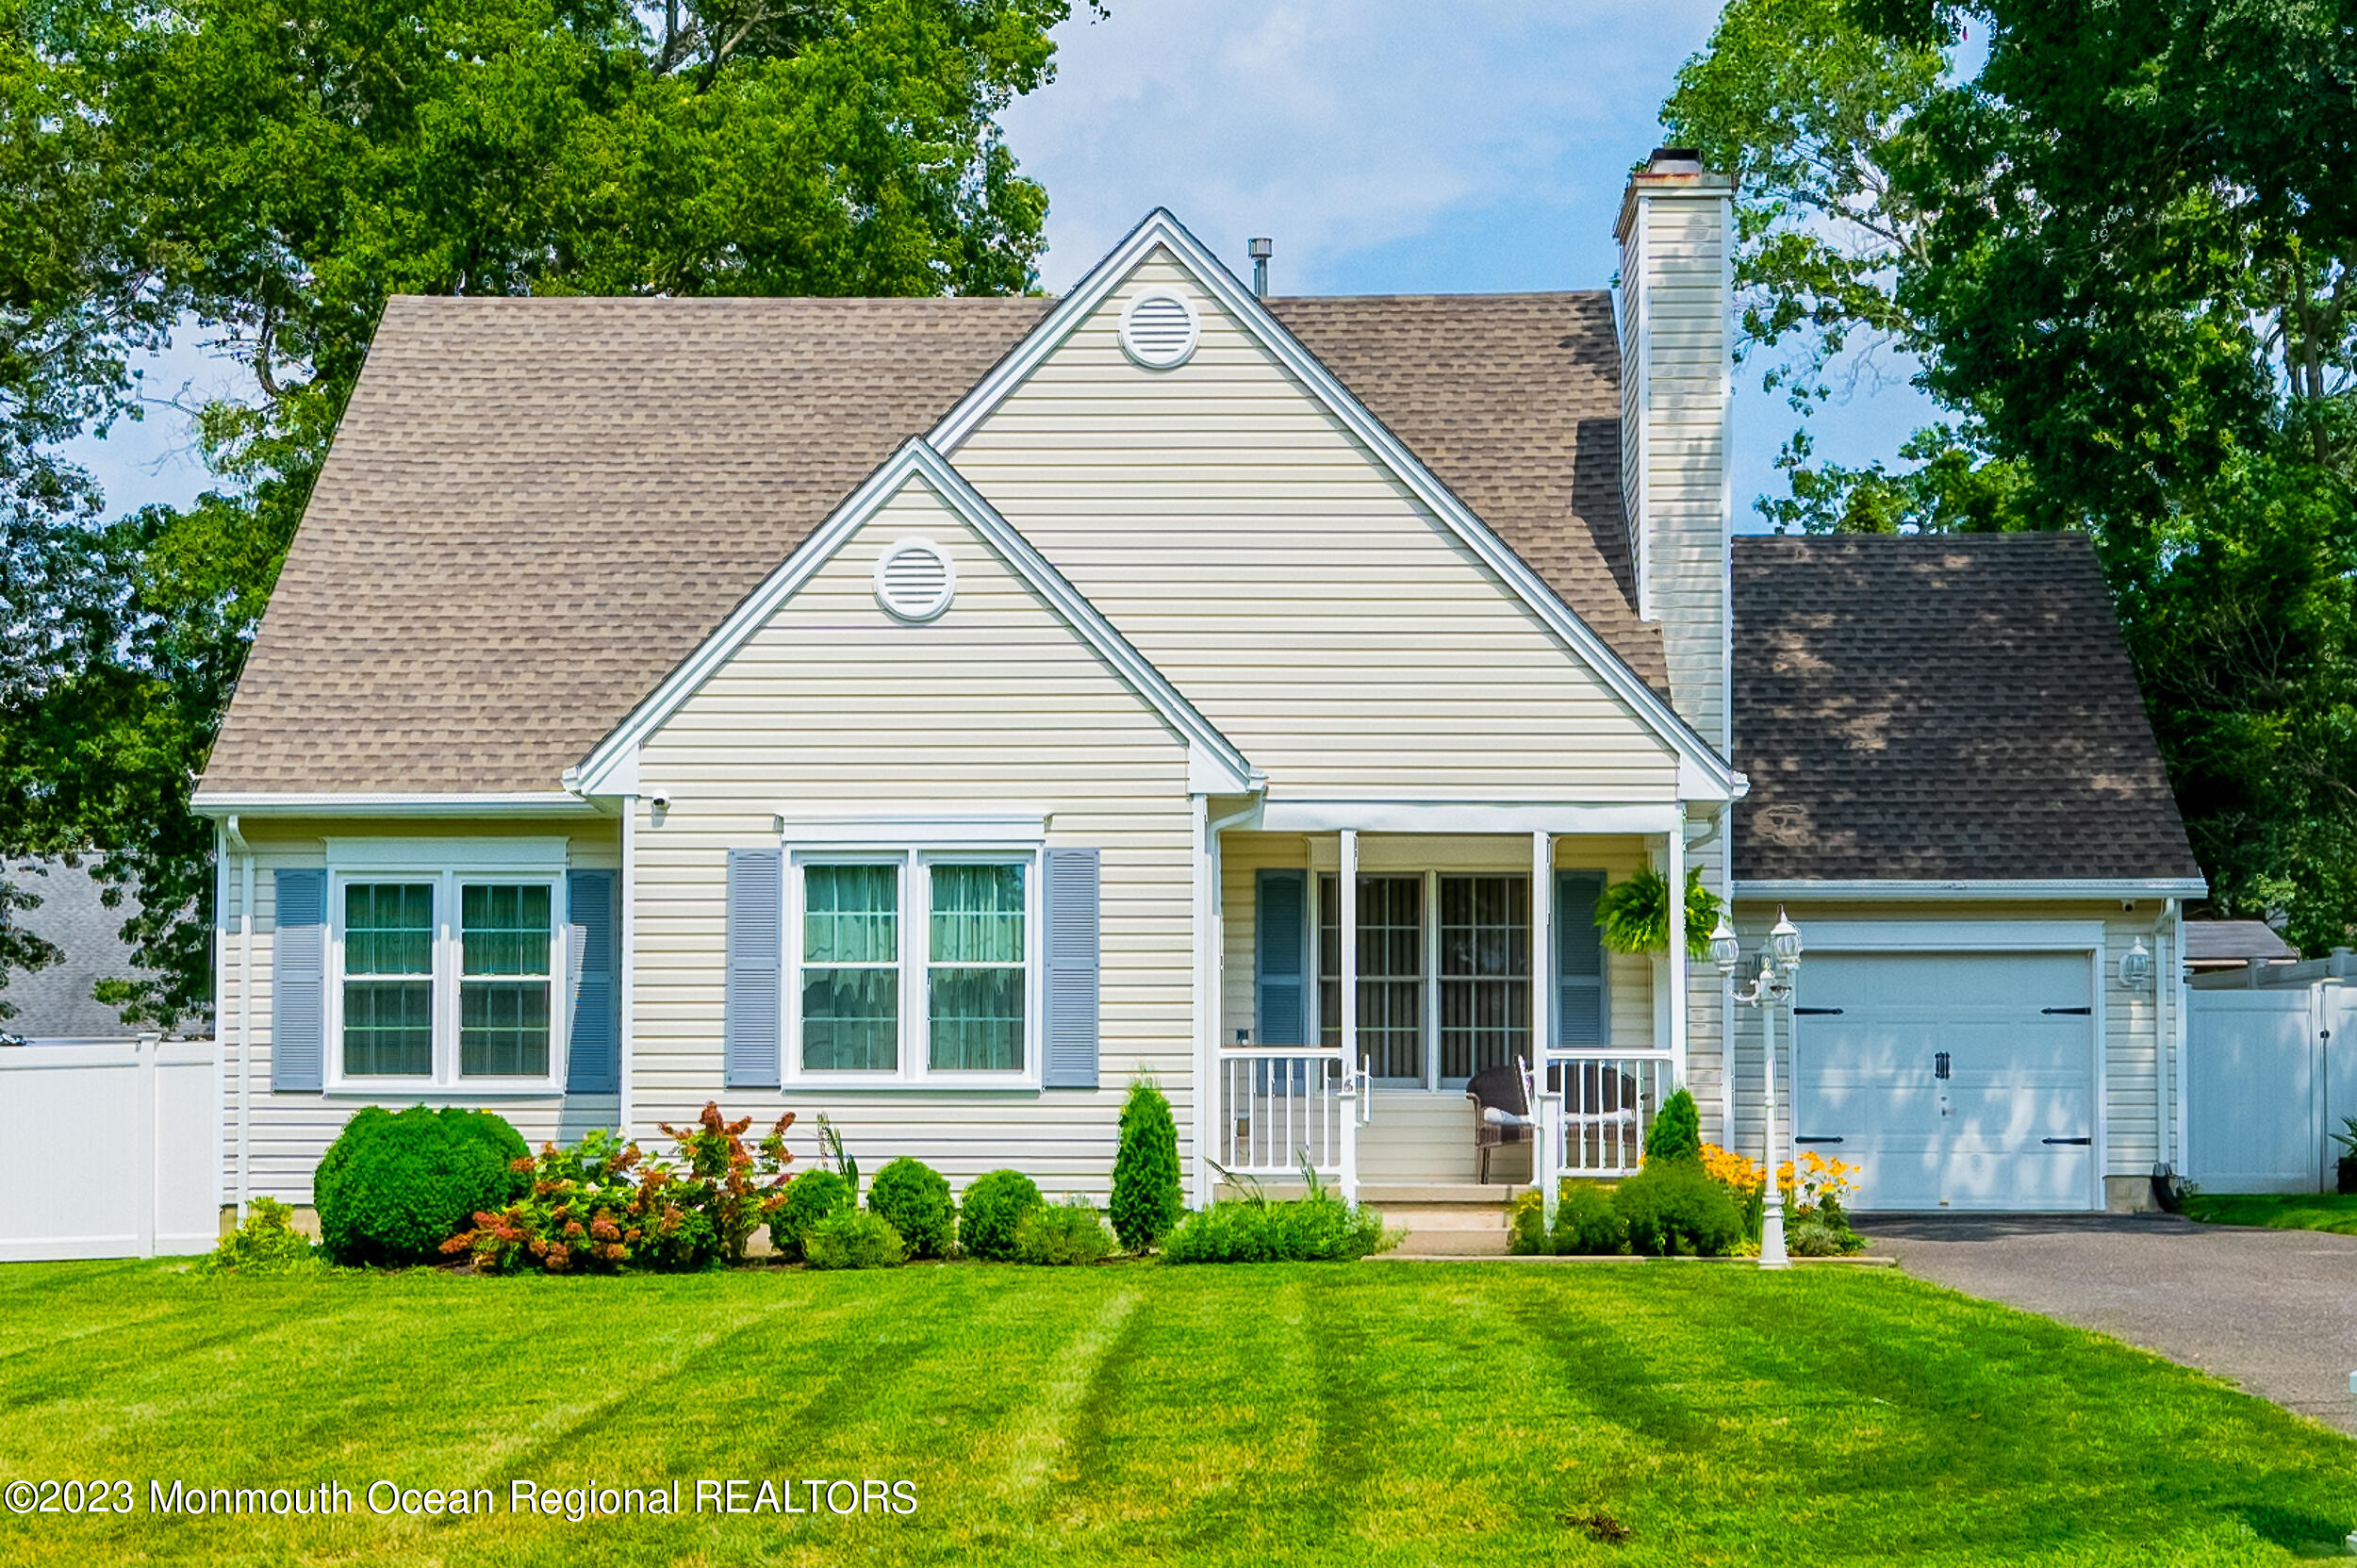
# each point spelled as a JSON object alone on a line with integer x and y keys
{"x": 1677, "y": 155}
{"x": 1260, "y": 249}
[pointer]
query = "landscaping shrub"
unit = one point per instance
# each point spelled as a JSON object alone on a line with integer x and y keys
{"x": 1671, "y": 1206}
{"x": 853, "y": 1238}
{"x": 1676, "y": 1132}
{"x": 993, "y": 1205}
{"x": 1063, "y": 1234}
{"x": 266, "y": 1243}
{"x": 602, "y": 1205}
{"x": 914, "y": 1198}
{"x": 1811, "y": 1236}
{"x": 808, "y": 1198}
{"x": 1146, "y": 1201}
{"x": 393, "y": 1185}
{"x": 1317, "y": 1229}
{"x": 1588, "y": 1221}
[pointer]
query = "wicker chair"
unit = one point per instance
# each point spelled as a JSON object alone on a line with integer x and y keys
{"x": 1501, "y": 1101}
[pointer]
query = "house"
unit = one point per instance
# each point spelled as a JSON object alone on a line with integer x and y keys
{"x": 2245, "y": 947}
{"x": 937, "y": 712}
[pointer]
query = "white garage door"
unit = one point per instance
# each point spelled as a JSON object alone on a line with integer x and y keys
{"x": 1955, "y": 1081}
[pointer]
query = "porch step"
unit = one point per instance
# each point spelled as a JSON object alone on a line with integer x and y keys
{"x": 1452, "y": 1220}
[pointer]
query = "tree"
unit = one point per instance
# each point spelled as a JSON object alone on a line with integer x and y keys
{"x": 1146, "y": 1201}
{"x": 275, "y": 168}
{"x": 2121, "y": 253}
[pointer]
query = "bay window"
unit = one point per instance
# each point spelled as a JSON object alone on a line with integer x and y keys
{"x": 913, "y": 965}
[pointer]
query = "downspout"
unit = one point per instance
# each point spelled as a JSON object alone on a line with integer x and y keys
{"x": 2175, "y": 915}
{"x": 627, "y": 1002}
{"x": 245, "y": 1012}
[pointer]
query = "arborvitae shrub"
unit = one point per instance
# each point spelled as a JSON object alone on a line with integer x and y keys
{"x": 808, "y": 1198}
{"x": 915, "y": 1198}
{"x": 393, "y": 1185}
{"x": 994, "y": 1206}
{"x": 853, "y": 1238}
{"x": 1146, "y": 1201}
{"x": 1676, "y": 1132}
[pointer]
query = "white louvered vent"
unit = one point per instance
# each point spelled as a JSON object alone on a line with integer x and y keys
{"x": 1160, "y": 330}
{"x": 915, "y": 580}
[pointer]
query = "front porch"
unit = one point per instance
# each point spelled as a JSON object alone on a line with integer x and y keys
{"x": 1460, "y": 952}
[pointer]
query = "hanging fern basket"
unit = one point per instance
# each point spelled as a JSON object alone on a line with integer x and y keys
{"x": 1633, "y": 915}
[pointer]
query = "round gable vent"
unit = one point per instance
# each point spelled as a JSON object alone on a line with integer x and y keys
{"x": 1160, "y": 330}
{"x": 915, "y": 580}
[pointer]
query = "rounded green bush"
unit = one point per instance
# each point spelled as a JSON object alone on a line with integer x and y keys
{"x": 1063, "y": 1234}
{"x": 1146, "y": 1201}
{"x": 393, "y": 1185}
{"x": 808, "y": 1198}
{"x": 1672, "y": 1207}
{"x": 1586, "y": 1222}
{"x": 853, "y": 1238}
{"x": 993, "y": 1205}
{"x": 915, "y": 1198}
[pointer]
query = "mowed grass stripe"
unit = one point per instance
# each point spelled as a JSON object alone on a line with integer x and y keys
{"x": 1141, "y": 1413}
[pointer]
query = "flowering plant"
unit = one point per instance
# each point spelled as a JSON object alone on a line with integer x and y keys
{"x": 1819, "y": 1184}
{"x": 602, "y": 1204}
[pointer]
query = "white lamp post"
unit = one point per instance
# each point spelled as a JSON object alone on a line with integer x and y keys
{"x": 1779, "y": 962}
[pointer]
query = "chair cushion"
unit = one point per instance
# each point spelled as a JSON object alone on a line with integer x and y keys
{"x": 1496, "y": 1117}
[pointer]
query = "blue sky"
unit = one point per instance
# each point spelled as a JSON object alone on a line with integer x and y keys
{"x": 1388, "y": 146}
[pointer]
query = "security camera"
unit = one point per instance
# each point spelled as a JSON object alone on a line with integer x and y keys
{"x": 659, "y": 802}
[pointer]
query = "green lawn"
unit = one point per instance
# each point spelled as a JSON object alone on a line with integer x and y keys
{"x": 1369, "y": 1413}
{"x": 2277, "y": 1211}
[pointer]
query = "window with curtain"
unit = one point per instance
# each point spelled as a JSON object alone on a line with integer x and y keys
{"x": 974, "y": 976}
{"x": 503, "y": 981}
{"x": 389, "y": 980}
{"x": 851, "y": 990}
{"x": 1485, "y": 973}
{"x": 1390, "y": 973}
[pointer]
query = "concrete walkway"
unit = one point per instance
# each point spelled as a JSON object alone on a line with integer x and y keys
{"x": 2274, "y": 1310}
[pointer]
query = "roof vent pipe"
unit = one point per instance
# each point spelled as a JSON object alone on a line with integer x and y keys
{"x": 1261, "y": 250}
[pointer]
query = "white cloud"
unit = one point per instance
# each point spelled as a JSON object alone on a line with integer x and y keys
{"x": 1343, "y": 127}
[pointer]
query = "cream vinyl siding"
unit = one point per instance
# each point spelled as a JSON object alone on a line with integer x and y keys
{"x": 835, "y": 706}
{"x": 1287, "y": 584}
{"x": 2133, "y": 1051}
{"x": 290, "y": 1133}
{"x": 1675, "y": 404}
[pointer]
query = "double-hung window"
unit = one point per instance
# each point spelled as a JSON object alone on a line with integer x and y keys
{"x": 914, "y": 966}
{"x": 445, "y": 979}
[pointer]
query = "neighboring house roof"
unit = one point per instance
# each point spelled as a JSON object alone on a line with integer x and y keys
{"x": 2234, "y": 943}
{"x": 56, "y": 1002}
{"x": 536, "y": 508}
{"x": 1953, "y": 706}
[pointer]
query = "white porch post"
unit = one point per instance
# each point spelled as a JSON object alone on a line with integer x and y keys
{"x": 1207, "y": 981}
{"x": 1673, "y": 867}
{"x": 1346, "y": 917}
{"x": 1545, "y": 1105}
{"x": 1347, "y": 1157}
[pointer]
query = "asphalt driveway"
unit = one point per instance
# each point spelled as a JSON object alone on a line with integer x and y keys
{"x": 2273, "y": 1311}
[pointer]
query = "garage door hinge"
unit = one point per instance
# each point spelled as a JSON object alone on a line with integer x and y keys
{"x": 1814, "y": 1012}
{"x": 2073, "y": 1012}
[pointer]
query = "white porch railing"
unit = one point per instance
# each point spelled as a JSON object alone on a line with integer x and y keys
{"x": 1278, "y": 1109}
{"x": 1608, "y": 1102}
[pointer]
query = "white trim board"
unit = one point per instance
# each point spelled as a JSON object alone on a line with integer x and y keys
{"x": 1711, "y": 777}
{"x": 1568, "y": 819}
{"x": 1867, "y": 890}
{"x": 1212, "y": 756}
{"x": 1950, "y": 936}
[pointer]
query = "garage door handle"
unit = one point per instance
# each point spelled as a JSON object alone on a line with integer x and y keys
{"x": 2065, "y": 1140}
{"x": 1816, "y": 1140}
{"x": 2072, "y": 1011}
{"x": 1816, "y": 1012}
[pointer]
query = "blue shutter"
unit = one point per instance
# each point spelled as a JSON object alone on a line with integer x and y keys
{"x": 1069, "y": 889}
{"x": 298, "y": 989}
{"x": 1579, "y": 999}
{"x": 593, "y": 1056}
{"x": 752, "y": 1021}
{"x": 1280, "y": 945}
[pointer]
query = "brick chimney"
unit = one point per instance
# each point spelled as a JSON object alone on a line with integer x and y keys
{"x": 1677, "y": 383}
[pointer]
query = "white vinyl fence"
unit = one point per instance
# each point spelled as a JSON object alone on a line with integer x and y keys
{"x": 109, "y": 1150}
{"x": 2269, "y": 1073}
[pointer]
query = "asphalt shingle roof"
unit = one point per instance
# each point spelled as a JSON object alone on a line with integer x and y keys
{"x": 535, "y": 508}
{"x": 1936, "y": 707}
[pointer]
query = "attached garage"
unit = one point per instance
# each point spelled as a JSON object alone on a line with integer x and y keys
{"x": 1954, "y": 1079}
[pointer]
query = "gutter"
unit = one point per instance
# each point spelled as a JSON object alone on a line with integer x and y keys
{"x": 1865, "y": 889}
{"x": 554, "y": 802}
